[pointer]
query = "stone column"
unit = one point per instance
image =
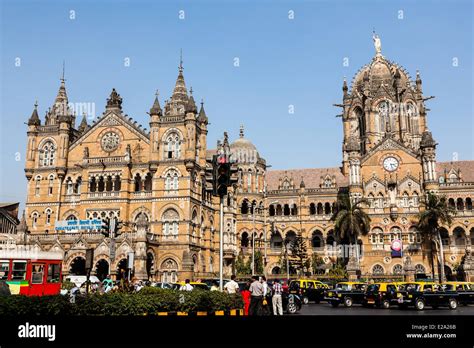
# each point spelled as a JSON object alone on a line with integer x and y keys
{"x": 140, "y": 249}
{"x": 353, "y": 268}
{"x": 409, "y": 270}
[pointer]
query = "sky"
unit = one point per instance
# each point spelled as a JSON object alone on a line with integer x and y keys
{"x": 251, "y": 61}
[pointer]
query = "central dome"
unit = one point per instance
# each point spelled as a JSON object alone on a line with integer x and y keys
{"x": 243, "y": 148}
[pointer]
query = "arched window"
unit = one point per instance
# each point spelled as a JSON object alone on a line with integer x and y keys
{"x": 376, "y": 235}
{"x": 71, "y": 217}
{"x": 327, "y": 208}
{"x": 312, "y": 209}
{"x": 320, "y": 209}
{"x": 244, "y": 240}
{"x": 69, "y": 186}
{"x": 271, "y": 210}
{"x": 290, "y": 238}
{"x": 278, "y": 210}
{"x": 47, "y": 154}
{"x": 77, "y": 185}
{"x": 379, "y": 203}
{"x": 50, "y": 185}
{"x": 170, "y": 220}
{"x": 330, "y": 240}
{"x": 138, "y": 183}
{"x": 37, "y": 185}
{"x": 382, "y": 118}
{"x": 276, "y": 242}
{"x": 444, "y": 236}
{"x": 34, "y": 219}
{"x": 415, "y": 199}
{"x": 378, "y": 270}
{"x": 286, "y": 210}
{"x": 317, "y": 240}
{"x": 249, "y": 180}
{"x": 245, "y": 207}
{"x": 412, "y": 118}
{"x": 468, "y": 203}
{"x": 171, "y": 180}
{"x": 420, "y": 269}
{"x": 48, "y": 216}
{"x": 117, "y": 183}
{"x": 172, "y": 146}
{"x": 451, "y": 203}
{"x": 101, "y": 184}
{"x": 169, "y": 269}
{"x": 405, "y": 200}
{"x": 93, "y": 184}
{"x": 397, "y": 269}
{"x": 109, "y": 183}
{"x": 148, "y": 182}
{"x": 460, "y": 204}
{"x": 294, "y": 209}
{"x": 459, "y": 236}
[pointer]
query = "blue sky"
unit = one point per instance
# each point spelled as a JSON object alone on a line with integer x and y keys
{"x": 282, "y": 62}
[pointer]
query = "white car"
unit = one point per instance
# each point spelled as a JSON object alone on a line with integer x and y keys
{"x": 78, "y": 280}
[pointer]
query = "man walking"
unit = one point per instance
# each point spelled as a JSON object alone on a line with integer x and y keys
{"x": 256, "y": 295}
{"x": 276, "y": 299}
{"x": 232, "y": 287}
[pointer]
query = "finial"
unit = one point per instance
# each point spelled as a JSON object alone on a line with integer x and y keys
{"x": 64, "y": 69}
{"x": 191, "y": 90}
{"x": 36, "y": 104}
{"x": 157, "y": 93}
{"x": 377, "y": 44}
{"x": 202, "y": 102}
{"x": 241, "y": 134}
{"x": 181, "y": 60}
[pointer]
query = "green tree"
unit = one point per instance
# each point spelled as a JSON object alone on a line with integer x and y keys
{"x": 316, "y": 263}
{"x": 350, "y": 221}
{"x": 258, "y": 262}
{"x": 434, "y": 213}
{"x": 242, "y": 267}
{"x": 298, "y": 255}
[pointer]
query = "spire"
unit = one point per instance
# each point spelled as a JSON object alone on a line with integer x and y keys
{"x": 302, "y": 184}
{"x": 191, "y": 106}
{"x": 180, "y": 94}
{"x": 418, "y": 81}
{"x": 241, "y": 133}
{"x": 34, "y": 120}
{"x": 344, "y": 86}
{"x": 202, "y": 114}
{"x": 156, "y": 108}
{"x": 114, "y": 101}
{"x": 22, "y": 227}
{"x": 83, "y": 126}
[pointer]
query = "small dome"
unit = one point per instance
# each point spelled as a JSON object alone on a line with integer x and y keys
{"x": 244, "y": 149}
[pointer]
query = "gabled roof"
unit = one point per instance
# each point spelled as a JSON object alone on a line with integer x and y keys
{"x": 388, "y": 143}
{"x": 466, "y": 168}
{"x": 111, "y": 117}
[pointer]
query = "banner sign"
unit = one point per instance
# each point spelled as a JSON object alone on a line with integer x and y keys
{"x": 396, "y": 248}
{"x": 77, "y": 225}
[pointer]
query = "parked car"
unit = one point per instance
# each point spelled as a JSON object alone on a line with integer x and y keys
{"x": 465, "y": 291}
{"x": 347, "y": 293}
{"x": 421, "y": 294}
{"x": 78, "y": 280}
{"x": 195, "y": 285}
{"x": 308, "y": 289}
{"x": 382, "y": 295}
{"x": 163, "y": 285}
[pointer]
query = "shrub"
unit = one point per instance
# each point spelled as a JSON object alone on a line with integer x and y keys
{"x": 147, "y": 301}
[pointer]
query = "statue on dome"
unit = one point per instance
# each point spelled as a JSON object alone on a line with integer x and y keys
{"x": 377, "y": 44}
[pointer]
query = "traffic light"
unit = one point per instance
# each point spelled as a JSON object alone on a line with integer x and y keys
{"x": 233, "y": 175}
{"x": 118, "y": 227}
{"x": 211, "y": 175}
{"x": 105, "y": 227}
{"x": 223, "y": 178}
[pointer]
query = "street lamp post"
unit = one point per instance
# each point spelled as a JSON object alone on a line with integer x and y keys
{"x": 287, "y": 262}
{"x": 253, "y": 239}
{"x": 221, "y": 243}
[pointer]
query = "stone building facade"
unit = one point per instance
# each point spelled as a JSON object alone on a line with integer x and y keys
{"x": 154, "y": 182}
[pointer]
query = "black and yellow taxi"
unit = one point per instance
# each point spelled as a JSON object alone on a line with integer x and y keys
{"x": 423, "y": 294}
{"x": 465, "y": 291}
{"x": 382, "y": 295}
{"x": 347, "y": 293}
{"x": 308, "y": 289}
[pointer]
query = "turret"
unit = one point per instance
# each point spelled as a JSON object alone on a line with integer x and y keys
{"x": 33, "y": 123}
{"x": 428, "y": 157}
{"x": 155, "y": 114}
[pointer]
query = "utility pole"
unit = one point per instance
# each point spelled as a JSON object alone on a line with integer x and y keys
{"x": 253, "y": 239}
{"x": 221, "y": 244}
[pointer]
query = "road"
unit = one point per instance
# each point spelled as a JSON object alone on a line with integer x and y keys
{"x": 325, "y": 309}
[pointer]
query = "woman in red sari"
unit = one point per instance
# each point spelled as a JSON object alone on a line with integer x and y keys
{"x": 246, "y": 297}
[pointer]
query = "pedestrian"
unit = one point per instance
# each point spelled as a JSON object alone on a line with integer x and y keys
{"x": 266, "y": 296}
{"x": 256, "y": 296}
{"x": 187, "y": 286}
{"x": 4, "y": 288}
{"x": 214, "y": 286}
{"x": 246, "y": 297}
{"x": 232, "y": 286}
{"x": 276, "y": 299}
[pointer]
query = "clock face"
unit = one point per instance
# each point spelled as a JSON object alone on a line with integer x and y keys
{"x": 390, "y": 164}
{"x": 110, "y": 141}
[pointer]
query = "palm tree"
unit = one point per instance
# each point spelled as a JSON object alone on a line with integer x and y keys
{"x": 436, "y": 212}
{"x": 350, "y": 220}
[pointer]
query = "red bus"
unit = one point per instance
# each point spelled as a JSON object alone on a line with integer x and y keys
{"x": 31, "y": 273}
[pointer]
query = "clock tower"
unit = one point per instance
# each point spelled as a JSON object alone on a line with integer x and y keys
{"x": 388, "y": 153}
